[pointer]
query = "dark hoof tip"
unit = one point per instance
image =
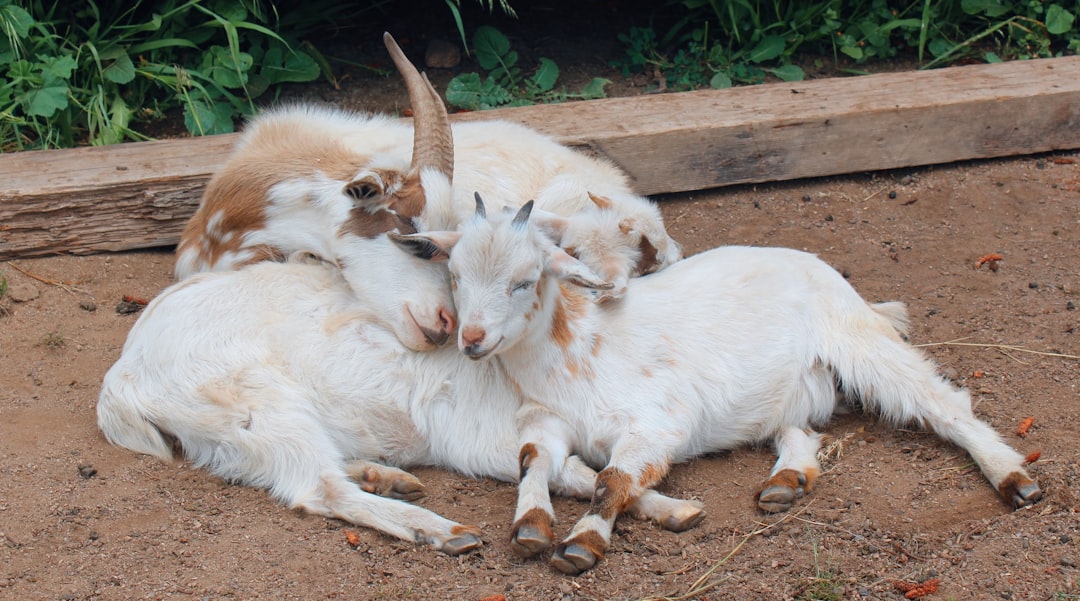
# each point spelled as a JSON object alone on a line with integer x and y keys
{"x": 1027, "y": 494}
{"x": 528, "y": 541}
{"x": 463, "y": 543}
{"x": 573, "y": 559}
{"x": 776, "y": 499}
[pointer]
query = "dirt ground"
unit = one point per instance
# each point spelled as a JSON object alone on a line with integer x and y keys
{"x": 80, "y": 519}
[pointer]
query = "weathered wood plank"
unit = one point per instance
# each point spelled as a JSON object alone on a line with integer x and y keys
{"x": 139, "y": 195}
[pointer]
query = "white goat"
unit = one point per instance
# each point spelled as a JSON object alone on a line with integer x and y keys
{"x": 728, "y": 347}
{"x": 330, "y": 182}
{"x": 277, "y": 377}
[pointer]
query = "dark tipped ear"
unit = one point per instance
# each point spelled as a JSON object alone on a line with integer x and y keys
{"x": 522, "y": 217}
{"x": 480, "y": 210}
{"x": 429, "y": 246}
{"x": 367, "y": 191}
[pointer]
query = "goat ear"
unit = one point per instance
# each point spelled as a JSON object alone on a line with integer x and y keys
{"x": 367, "y": 191}
{"x": 430, "y": 246}
{"x": 565, "y": 267}
{"x": 553, "y": 225}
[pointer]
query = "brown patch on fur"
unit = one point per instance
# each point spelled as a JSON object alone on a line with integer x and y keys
{"x": 569, "y": 307}
{"x": 591, "y": 540}
{"x": 811, "y": 477}
{"x": 785, "y": 477}
{"x": 598, "y": 341}
{"x": 460, "y": 529}
{"x": 527, "y": 455}
{"x": 652, "y": 475}
{"x": 537, "y": 518}
{"x": 613, "y": 493}
{"x": 600, "y": 201}
{"x": 363, "y": 224}
{"x": 647, "y": 263}
{"x": 279, "y": 151}
{"x": 648, "y": 373}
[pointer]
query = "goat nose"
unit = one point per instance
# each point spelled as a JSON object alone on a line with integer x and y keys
{"x": 436, "y": 338}
{"x": 446, "y": 317}
{"x": 472, "y": 336}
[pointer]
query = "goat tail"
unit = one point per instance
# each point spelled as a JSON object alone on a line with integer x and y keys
{"x": 125, "y": 422}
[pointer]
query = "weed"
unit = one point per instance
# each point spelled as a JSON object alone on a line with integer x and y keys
{"x": 54, "y": 340}
{"x": 717, "y": 44}
{"x": 826, "y": 585}
{"x": 3, "y": 284}
{"x": 505, "y": 84}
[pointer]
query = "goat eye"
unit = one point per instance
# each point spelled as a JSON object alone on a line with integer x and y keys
{"x": 523, "y": 285}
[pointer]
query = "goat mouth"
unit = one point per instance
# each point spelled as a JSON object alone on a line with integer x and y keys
{"x": 476, "y": 352}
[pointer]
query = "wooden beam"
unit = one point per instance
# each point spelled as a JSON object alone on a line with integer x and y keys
{"x": 139, "y": 195}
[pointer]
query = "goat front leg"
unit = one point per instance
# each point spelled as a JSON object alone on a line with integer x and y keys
{"x": 635, "y": 467}
{"x": 543, "y": 456}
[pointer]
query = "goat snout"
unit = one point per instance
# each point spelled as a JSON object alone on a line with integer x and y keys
{"x": 472, "y": 342}
{"x": 447, "y": 324}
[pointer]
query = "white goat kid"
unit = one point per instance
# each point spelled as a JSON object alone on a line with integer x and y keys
{"x": 275, "y": 376}
{"x": 728, "y": 347}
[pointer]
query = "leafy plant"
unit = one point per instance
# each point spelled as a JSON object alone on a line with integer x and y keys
{"x": 506, "y": 84}
{"x": 716, "y": 44}
{"x": 86, "y": 76}
{"x": 3, "y": 284}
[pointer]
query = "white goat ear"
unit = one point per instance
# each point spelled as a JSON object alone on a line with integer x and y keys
{"x": 430, "y": 246}
{"x": 553, "y": 225}
{"x": 565, "y": 267}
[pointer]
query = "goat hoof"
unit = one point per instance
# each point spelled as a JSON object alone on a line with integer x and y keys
{"x": 573, "y": 559}
{"x": 407, "y": 490}
{"x": 1026, "y": 494}
{"x": 776, "y": 499}
{"x": 528, "y": 541}
{"x": 462, "y": 543}
{"x": 684, "y": 521}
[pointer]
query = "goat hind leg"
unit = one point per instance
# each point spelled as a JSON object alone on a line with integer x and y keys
{"x": 795, "y": 470}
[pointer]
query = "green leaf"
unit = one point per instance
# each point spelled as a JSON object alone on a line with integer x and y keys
{"x": 203, "y": 119}
{"x": 47, "y": 100}
{"x": 469, "y": 92}
{"x": 57, "y": 67}
{"x": 281, "y": 64}
{"x": 768, "y": 48}
{"x": 221, "y": 66}
{"x": 546, "y": 75}
{"x": 1058, "y": 20}
{"x": 15, "y": 21}
{"x": 491, "y": 47}
{"x": 119, "y": 68}
{"x": 720, "y": 81}
{"x": 853, "y": 51}
{"x": 788, "y": 72}
{"x": 991, "y": 57}
{"x": 595, "y": 88}
{"x": 989, "y": 8}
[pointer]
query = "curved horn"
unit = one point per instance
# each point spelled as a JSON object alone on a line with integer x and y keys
{"x": 481, "y": 212}
{"x": 433, "y": 143}
{"x": 522, "y": 217}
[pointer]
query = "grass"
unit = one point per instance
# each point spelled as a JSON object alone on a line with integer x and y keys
{"x": 54, "y": 340}
{"x": 825, "y": 585}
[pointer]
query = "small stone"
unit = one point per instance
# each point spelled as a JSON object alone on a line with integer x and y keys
{"x": 906, "y": 180}
{"x": 1033, "y": 285}
{"x": 892, "y": 194}
{"x": 1067, "y": 562}
{"x": 1071, "y": 306}
{"x": 87, "y": 471}
{"x": 846, "y": 273}
{"x": 88, "y": 305}
{"x": 806, "y": 198}
{"x": 1040, "y": 164}
{"x": 22, "y": 293}
{"x": 828, "y": 218}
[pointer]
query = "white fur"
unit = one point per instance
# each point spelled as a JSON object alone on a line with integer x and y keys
{"x": 732, "y": 346}
{"x": 278, "y": 377}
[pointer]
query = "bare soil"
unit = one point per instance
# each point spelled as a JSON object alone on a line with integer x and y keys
{"x": 80, "y": 519}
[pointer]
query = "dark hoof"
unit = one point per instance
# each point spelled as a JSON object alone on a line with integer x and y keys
{"x": 406, "y": 490}
{"x": 777, "y": 499}
{"x": 462, "y": 543}
{"x": 1026, "y": 494}
{"x": 529, "y": 541}
{"x": 573, "y": 559}
{"x": 679, "y": 523}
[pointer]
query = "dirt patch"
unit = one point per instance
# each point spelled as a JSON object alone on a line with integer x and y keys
{"x": 80, "y": 519}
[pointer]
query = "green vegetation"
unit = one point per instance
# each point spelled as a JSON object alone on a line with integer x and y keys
{"x": 505, "y": 84}
{"x": 717, "y": 44}
{"x": 3, "y": 284}
{"x": 54, "y": 340}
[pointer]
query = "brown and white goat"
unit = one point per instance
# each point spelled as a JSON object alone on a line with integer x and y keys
{"x": 732, "y": 346}
{"x": 331, "y": 182}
